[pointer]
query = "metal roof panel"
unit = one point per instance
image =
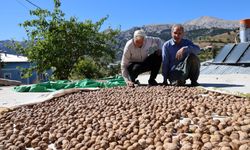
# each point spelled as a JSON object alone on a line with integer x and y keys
{"x": 223, "y": 53}
{"x": 238, "y": 51}
{"x": 246, "y": 57}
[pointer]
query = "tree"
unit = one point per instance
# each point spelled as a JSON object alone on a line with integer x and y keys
{"x": 0, "y": 64}
{"x": 58, "y": 43}
{"x": 86, "y": 68}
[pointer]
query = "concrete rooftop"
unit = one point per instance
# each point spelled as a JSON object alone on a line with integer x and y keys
{"x": 238, "y": 84}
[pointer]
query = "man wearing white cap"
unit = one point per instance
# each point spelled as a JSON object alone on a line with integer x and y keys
{"x": 141, "y": 54}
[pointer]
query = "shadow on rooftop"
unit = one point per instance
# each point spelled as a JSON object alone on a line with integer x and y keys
{"x": 219, "y": 85}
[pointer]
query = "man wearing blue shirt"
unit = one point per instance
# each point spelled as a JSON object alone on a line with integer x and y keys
{"x": 179, "y": 59}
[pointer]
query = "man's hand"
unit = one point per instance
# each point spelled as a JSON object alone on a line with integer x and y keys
{"x": 180, "y": 53}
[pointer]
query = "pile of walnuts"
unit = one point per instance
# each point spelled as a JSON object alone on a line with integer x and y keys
{"x": 123, "y": 118}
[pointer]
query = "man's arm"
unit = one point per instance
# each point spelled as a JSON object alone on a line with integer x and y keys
{"x": 125, "y": 63}
{"x": 192, "y": 48}
{"x": 189, "y": 48}
{"x": 155, "y": 43}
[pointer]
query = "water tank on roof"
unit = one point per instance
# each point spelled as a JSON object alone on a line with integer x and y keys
{"x": 245, "y": 30}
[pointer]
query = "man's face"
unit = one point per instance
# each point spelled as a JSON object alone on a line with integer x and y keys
{"x": 177, "y": 34}
{"x": 138, "y": 42}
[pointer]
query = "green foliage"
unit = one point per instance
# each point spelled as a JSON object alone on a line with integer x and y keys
{"x": 55, "y": 42}
{"x": 86, "y": 68}
{"x": 208, "y": 54}
{"x": 114, "y": 69}
{"x": 205, "y": 55}
{"x": 27, "y": 72}
{"x": 1, "y": 63}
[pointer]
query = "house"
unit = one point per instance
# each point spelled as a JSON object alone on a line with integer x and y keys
{"x": 11, "y": 69}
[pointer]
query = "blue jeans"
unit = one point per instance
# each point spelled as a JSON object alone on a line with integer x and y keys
{"x": 187, "y": 69}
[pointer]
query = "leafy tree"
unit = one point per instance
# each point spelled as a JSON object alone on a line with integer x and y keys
{"x": 1, "y": 65}
{"x": 86, "y": 68}
{"x": 61, "y": 44}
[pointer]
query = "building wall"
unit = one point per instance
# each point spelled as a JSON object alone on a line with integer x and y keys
{"x": 10, "y": 71}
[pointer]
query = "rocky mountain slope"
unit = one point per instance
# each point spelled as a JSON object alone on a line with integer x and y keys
{"x": 205, "y": 23}
{"x": 212, "y": 22}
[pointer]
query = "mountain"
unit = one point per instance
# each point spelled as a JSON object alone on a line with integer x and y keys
{"x": 212, "y": 22}
{"x": 205, "y": 22}
{"x": 5, "y": 47}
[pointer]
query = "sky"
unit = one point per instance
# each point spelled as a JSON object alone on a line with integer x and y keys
{"x": 123, "y": 14}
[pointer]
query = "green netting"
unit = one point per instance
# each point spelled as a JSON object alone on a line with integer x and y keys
{"x": 38, "y": 88}
{"x": 114, "y": 82}
{"x": 23, "y": 88}
{"x": 51, "y": 86}
{"x": 87, "y": 83}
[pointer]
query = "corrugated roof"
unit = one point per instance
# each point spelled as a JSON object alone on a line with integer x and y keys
{"x": 224, "y": 69}
{"x": 13, "y": 58}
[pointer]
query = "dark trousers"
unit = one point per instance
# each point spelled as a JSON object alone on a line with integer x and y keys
{"x": 188, "y": 69}
{"x": 151, "y": 63}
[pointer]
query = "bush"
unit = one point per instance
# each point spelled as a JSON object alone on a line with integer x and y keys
{"x": 86, "y": 68}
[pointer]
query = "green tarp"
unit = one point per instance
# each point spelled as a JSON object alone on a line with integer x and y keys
{"x": 52, "y": 86}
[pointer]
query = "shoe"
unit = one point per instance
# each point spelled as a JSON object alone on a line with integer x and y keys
{"x": 152, "y": 82}
{"x": 178, "y": 83}
{"x": 165, "y": 83}
{"x": 137, "y": 82}
{"x": 194, "y": 83}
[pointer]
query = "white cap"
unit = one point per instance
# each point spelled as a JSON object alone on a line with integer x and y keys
{"x": 139, "y": 33}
